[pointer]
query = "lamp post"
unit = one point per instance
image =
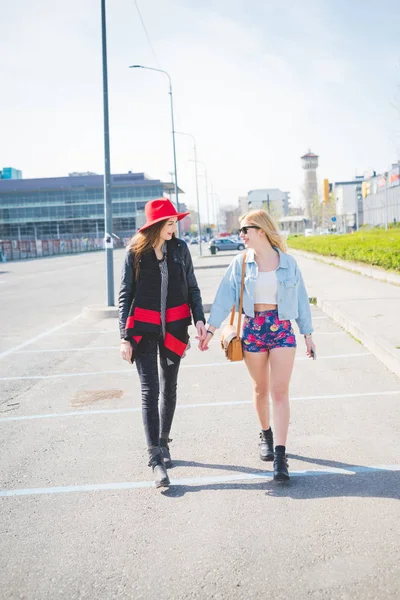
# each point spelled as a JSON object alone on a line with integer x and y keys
{"x": 206, "y": 181}
{"x": 107, "y": 169}
{"x": 215, "y": 199}
{"x": 173, "y": 125}
{"x": 197, "y": 187}
{"x": 386, "y": 201}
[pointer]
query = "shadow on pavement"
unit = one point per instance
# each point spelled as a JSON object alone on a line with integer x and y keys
{"x": 236, "y": 468}
{"x": 365, "y": 482}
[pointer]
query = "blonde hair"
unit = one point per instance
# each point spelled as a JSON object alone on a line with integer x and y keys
{"x": 264, "y": 221}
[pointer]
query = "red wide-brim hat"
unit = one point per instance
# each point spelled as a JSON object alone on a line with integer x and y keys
{"x": 160, "y": 210}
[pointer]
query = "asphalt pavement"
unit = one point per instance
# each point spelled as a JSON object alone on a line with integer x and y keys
{"x": 80, "y": 517}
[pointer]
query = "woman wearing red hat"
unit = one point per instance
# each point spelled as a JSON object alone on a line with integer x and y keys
{"x": 158, "y": 293}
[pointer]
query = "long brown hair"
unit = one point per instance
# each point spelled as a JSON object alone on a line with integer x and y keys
{"x": 144, "y": 241}
{"x": 264, "y": 221}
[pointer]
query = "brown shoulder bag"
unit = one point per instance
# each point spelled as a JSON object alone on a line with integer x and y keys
{"x": 231, "y": 342}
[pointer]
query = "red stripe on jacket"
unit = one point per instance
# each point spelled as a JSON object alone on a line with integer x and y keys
{"x": 147, "y": 316}
{"x": 177, "y": 312}
{"x": 172, "y": 343}
{"x": 129, "y": 323}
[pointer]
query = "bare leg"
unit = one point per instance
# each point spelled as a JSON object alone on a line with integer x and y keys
{"x": 257, "y": 365}
{"x": 281, "y": 363}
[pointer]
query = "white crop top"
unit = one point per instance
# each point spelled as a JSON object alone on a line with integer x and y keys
{"x": 266, "y": 288}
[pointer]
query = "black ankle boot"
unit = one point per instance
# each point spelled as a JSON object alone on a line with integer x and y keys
{"x": 166, "y": 455}
{"x": 281, "y": 472}
{"x": 161, "y": 478}
{"x": 266, "y": 445}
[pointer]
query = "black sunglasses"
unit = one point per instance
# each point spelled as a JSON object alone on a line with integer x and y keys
{"x": 244, "y": 229}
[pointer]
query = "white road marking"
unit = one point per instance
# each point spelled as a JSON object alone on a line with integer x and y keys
{"x": 97, "y": 348}
{"x": 351, "y": 470}
{"x": 231, "y": 364}
{"x": 115, "y": 411}
{"x": 114, "y": 331}
{"x": 38, "y": 337}
{"x": 128, "y": 371}
{"x": 86, "y": 348}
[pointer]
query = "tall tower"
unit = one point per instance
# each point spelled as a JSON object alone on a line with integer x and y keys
{"x": 309, "y": 162}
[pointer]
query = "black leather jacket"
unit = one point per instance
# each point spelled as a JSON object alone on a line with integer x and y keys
{"x": 191, "y": 291}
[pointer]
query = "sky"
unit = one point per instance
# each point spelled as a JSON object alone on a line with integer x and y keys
{"x": 257, "y": 83}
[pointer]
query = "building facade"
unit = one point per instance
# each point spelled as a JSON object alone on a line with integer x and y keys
{"x": 273, "y": 200}
{"x": 349, "y": 205}
{"x": 294, "y": 224}
{"x": 73, "y": 206}
{"x": 381, "y": 197}
{"x": 10, "y": 173}
{"x": 372, "y": 199}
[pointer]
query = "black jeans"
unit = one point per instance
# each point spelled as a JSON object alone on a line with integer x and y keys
{"x": 157, "y": 423}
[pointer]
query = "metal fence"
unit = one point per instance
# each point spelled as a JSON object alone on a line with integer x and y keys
{"x": 25, "y": 249}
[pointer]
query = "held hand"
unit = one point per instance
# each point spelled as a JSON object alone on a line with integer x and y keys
{"x": 310, "y": 348}
{"x": 203, "y": 344}
{"x": 126, "y": 350}
{"x": 201, "y": 331}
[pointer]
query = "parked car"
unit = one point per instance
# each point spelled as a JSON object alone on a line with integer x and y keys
{"x": 226, "y": 244}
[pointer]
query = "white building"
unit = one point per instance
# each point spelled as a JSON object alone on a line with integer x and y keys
{"x": 243, "y": 205}
{"x": 381, "y": 204}
{"x": 377, "y": 205}
{"x": 272, "y": 200}
{"x": 349, "y": 206}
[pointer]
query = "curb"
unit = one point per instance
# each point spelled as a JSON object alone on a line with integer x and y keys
{"x": 98, "y": 312}
{"x": 199, "y": 268}
{"x": 383, "y": 352}
{"x": 354, "y": 267}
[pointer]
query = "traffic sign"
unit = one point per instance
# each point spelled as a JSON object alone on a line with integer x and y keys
{"x": 333, "y": 219}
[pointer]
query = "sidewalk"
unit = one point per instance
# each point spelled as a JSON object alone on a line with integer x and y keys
{"x": 368, "y": 309}
{"x": 365, "y": 307}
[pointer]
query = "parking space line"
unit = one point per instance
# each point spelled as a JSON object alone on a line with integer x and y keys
{"x": 38, "y": 337}
{"x": 350, "y": 471}
{"x": 195, "y": 366}
{"x": 84, "y": 349}
{"x": 98, "y": 348}
{"x": 114, "y": 411}
{"x": 114, "y": 331}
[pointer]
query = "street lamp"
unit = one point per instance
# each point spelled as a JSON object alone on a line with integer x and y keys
{"x": 172, "y": 122}
{"x": 206, "y": 181}
{"x": 107, "y": 169}
{"x": 197, "y": 187}
{"x": 386, "y": 201}
{"x": 215, "y": 200}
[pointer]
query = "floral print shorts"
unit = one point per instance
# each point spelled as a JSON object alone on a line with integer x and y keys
{"x": 265, "y": 332}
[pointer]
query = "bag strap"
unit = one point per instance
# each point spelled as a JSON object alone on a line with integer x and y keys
{"x": 240, "y": 300}
{"x": 241, "y": 296}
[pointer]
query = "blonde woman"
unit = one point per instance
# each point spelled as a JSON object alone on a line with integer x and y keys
{"x": 274, "y": 294}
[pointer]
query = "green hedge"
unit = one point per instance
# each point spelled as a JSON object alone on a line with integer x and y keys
{"x": 374, "y": 247}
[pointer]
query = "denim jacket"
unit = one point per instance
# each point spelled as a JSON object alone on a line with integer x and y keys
{"x": 293, "y": 300}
